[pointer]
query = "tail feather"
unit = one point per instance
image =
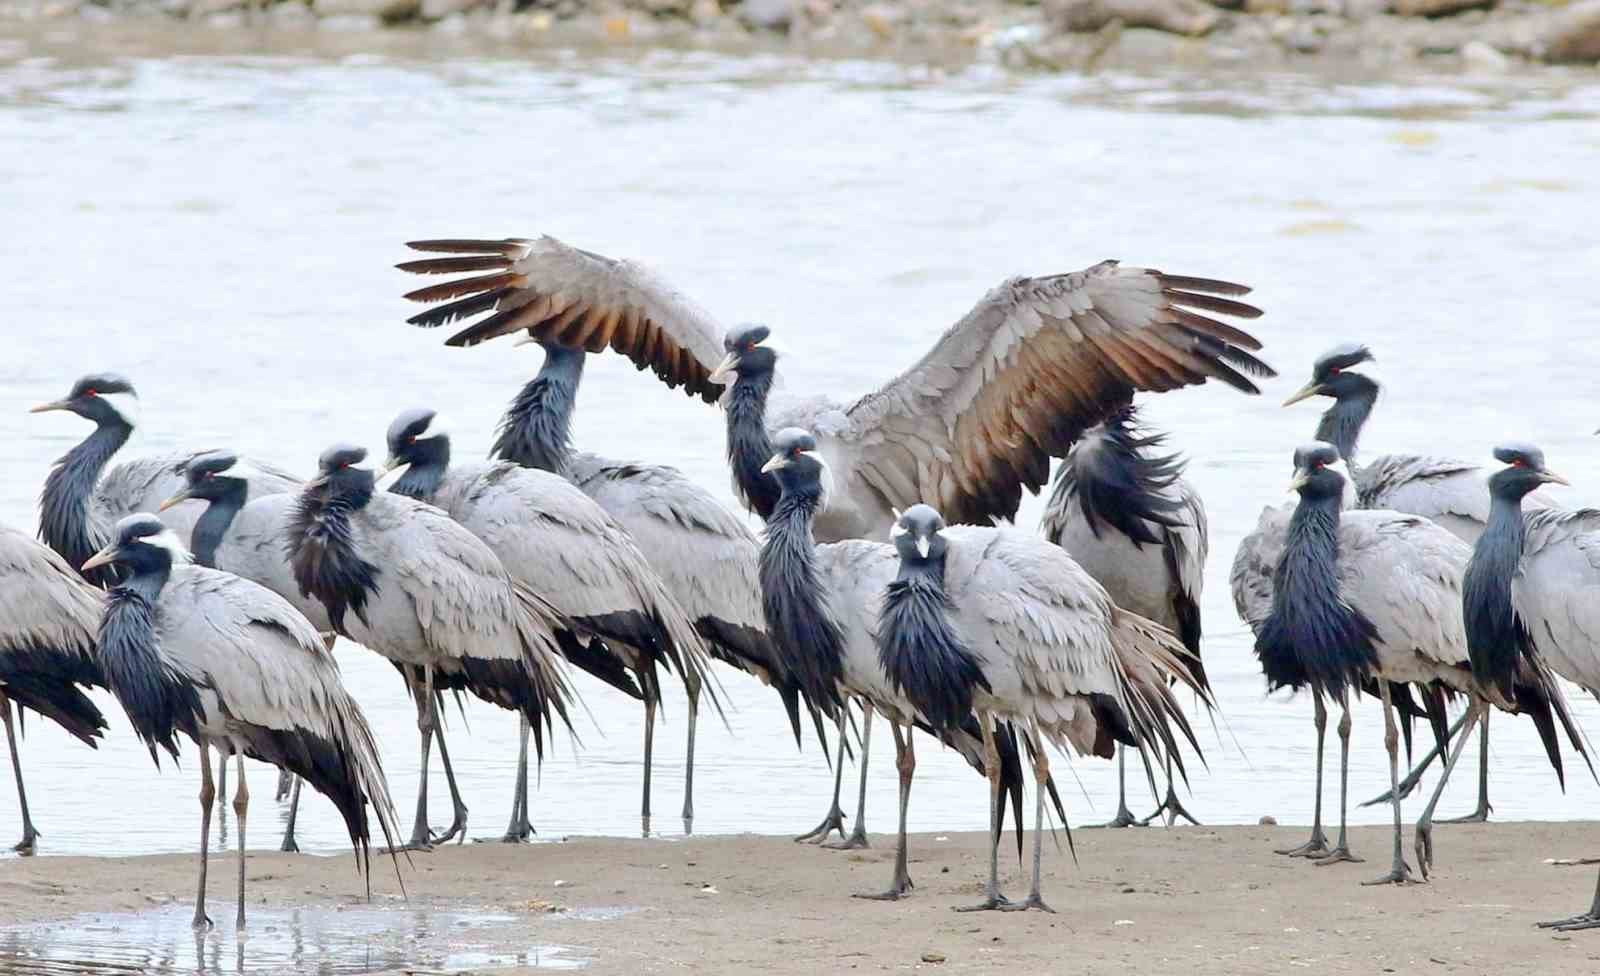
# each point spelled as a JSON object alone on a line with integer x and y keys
{"x": 537, "y": 626}
{"x": 1148, "y": 658}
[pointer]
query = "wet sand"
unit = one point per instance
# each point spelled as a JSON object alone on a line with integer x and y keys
{"x": 1196, "y": 900}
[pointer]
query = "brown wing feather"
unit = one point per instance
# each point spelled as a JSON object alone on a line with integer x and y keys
{"x": 565, "y": 295}
{"x": 1033, "y": 365}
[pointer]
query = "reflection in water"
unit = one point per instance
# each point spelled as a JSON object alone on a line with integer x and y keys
{"x": 305, "y": 940}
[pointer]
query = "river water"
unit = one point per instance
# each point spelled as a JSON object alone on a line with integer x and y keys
{"x": 221, "y": 227}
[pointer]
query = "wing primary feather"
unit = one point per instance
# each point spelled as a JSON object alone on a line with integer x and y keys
{"x": 1211, "y": 303}
{"x": 464, "y": 308}
{"x": 464, "y": 286}
{"x": 1212, "y": 286}
{"x": 461, "y": 246}
{"x": 1219, "y": 330}
{"x": 488, "y": 262}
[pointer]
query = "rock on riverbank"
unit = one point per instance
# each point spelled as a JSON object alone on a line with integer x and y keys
{"x": 1476, "y": 36}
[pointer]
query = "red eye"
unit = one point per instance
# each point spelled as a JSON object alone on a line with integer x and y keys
{"x": 1517, "y": 463}
{"x": 1334, "y": 371}
{"x": 411, "y": 440}
{"x": 91, "y": 392}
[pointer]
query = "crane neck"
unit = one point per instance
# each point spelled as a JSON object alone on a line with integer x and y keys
{"x": 749, "y": 447}
{"x": 66, "y": 506}
{"x": 160, "y": 703}
{"x": 323, "y": 554}
{"x": 213, "y": 524}
{"x": 536, "y": 431}
{"x": 1341, "y": 423}
{"x": 795, "y": 604}
{"x": 1495, "y": 634}
{"x": 1312, "y": 635}
{"x": 920, "y": 650}
{"x": 429, "y": 463}
{"x": 1114, "y": 475}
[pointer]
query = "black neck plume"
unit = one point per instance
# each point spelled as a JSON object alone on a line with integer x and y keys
{"x": 1312, "y": 636}
{"x": 1495, "y": 635}
{"x": 66, "y": 522}
{"x": 213, "y": 523}
{"x": 796, "y": 608}
{"x": 323, "y": 554}
{"x": 749, "y": 447}
{"x": 924, "y": 657}
{"x": 160, "y": 703}
{"x": 1119, "y": 483}
{"x": 536, "y": 430}
{"x": 1341, "y": 423}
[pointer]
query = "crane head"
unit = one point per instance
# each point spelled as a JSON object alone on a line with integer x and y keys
{"x": 918, "y": 534}
{"x": 105, "y": 398}
{"x": 1331, "y": 376}
{"x": 747, "y": 354}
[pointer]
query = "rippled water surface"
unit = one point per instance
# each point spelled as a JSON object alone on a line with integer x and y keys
{"x": 221, "y": 228}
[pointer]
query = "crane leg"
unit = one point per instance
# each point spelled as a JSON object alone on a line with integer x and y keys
{"x": 285, "y": 785}
{"x": 1413, "y": 778}
{"x": 1481, "y": 814}
{"x": 992, "y": 899}
{"x": 1171, "y": 806}
{"x": 1124, "y": 817}
{"x": 458, "y": 807}
{"x": 29, "y": 835}
{"x": 520, "y": 828}
{"x": 649, "y": 755}
{"x": 426, "y": 722}
{"x": 1317, "y": 846}
{"x": 1424, "y": 835}
{"x": 1399, "y": 871}
{"x": 858, "y": 836}
{"x": 241, "y": 803}
{"x": 1041, "y": 776}
{"x": 691, "y": 684}
{"x": 905, "y": 761}
{"x": 208, "y": 792}
{"x": 1588, "y": 920}
{"x": 835, "y": 818}
{"x": 289, "y": 845}
{"x": 1341, "y": 850}
{"x": 222, "y": 790}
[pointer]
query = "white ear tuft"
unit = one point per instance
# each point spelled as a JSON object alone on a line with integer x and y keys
{"x": 125, "y": 404}
{"x": 168, "y": 540}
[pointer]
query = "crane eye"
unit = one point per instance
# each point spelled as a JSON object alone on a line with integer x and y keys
{"x": 91, "y": 392}
{"x": 1517, "y": 463}
{"x": 412, "y": 439}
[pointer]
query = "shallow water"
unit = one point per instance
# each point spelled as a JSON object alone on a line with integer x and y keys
{"x": 221, "y": 228}
{"x": 326, "y": 942}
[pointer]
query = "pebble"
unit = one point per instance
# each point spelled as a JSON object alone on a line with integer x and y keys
{"x": 1267, "y": 821}
{"x": 933, "y": 957}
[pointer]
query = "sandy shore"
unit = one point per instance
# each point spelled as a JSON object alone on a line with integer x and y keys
{"x": 1196, "y": 900}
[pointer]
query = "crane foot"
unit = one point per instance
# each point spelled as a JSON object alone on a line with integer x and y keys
{"x": 1033, "y": 901}
{"x": 1338, "y": 855}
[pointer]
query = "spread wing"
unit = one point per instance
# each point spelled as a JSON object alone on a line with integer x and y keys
{"x": 1034, "y": 364}
{"x": 577, "y": 298}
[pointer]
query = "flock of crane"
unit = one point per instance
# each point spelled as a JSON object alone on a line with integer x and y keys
{"x": 206, "y": 590}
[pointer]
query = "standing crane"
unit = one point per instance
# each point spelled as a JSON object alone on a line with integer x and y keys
{"x": 48, "y": 620}
{"x": 403, "y": 578}
{"x": 228, "y": 663}
{"x": 1127, "y": 517}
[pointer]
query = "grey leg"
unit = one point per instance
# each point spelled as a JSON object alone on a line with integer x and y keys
{"x": 649, "y": 750}
{"x": 1041, "y": 776}
{"x": 285, "y": 785}
{"x": 1317, "y": 846}
{"x": 858, "y": 836}
{"x": 1399, "y": 871}
{"x": 1424, "y": 835}
{"x": 458, "y": 807}
{"x": 1341, "y": 850}
{"x": 208, "y": 792}
{"x": 993, "y": 899}
{"x": 222, "y": 790}
{"x": 692, "y": 686}
{"x": 29, "y": 835}
{"x": 520, "y": 828}
{"x": 425, "y": 726}
{"x": 1481, "y": 814}
{"x": 241, "y": 803}
{"x": 289, "y": 846}
{"x": 1171, "y": 806}
{"x": 905, "y": 757}
{"x": 1415, "y": 776}
{"x": 835, "y": 818}
{"x": 1589, "y": 920}
{"x": 1124, "y": 817}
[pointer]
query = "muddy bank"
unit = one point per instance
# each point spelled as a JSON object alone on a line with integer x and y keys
{"x": 1215, "y": 900}
{"x": 1470, "y": 36}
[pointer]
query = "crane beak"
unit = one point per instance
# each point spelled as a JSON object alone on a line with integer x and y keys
{"x": 47, "y": 407}
{"x": 1299, "y": 480}
{"x": 923, "y": 545}
{"x": 1552, "y": 477}
{"x": 1304, "y": 393}
{"x": 393, "y": 464}
{"x": 101, "y": 558}
{"x": 774, "y": 463}
{"x": 181, "y": 496}
{"x": 724, "y": 373}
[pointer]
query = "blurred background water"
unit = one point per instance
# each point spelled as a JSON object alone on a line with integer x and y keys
{"x": 221, "y": 229}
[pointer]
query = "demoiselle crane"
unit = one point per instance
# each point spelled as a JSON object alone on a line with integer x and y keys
{"x": 1125, "y": 514}
{"x": 48, "y": 620}
{"x": 555, "y": 540}
{"x": 226, "y": 662}
{"x": 966, "y": 428}
{"x": 401, "y": 577}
